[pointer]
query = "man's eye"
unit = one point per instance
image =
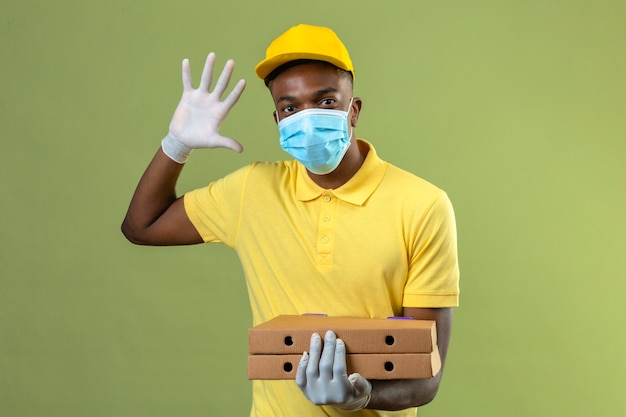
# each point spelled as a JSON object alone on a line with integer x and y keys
{"x": 289, "y": 109}
{"x": 328, "y": 101}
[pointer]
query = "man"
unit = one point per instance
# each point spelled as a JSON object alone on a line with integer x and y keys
{"x": 335, "y": 231}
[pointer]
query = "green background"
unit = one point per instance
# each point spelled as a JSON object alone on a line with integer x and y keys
{"x": 516, "y": 108}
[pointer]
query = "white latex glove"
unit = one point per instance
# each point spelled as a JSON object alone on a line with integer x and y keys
{"x": 322, "y": 376}
{"x": 200, "y": 112}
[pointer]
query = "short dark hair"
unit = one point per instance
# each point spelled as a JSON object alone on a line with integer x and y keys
{"x": 276, "y": 72}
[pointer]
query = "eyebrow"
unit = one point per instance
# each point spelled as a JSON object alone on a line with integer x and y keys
{"x": 318, "y": 93}
{"x": 285, "y": 98}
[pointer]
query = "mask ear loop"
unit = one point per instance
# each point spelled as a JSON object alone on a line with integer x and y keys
{"x": 351, "y": 130}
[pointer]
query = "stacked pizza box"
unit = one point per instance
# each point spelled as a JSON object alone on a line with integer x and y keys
{"x": 386, "y": 348}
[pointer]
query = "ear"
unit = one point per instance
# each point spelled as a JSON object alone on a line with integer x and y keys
{"x": 357, "y": 104}
{"x": 275, "y": 116}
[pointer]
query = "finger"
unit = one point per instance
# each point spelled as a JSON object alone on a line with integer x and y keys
{"x": 359, "y": 383}
{"x": 339, "y": 364}
{"x": 207, "y": 73}
{"x": 301, "y": 372}
{"x": 315, "y": 350}
{"x": 224, "y": 78}
{"x": 328, "y": 355}
{"x": 234, "y": 95}
{"x": 229, "y": 143}
{"x": 187, "y": 85}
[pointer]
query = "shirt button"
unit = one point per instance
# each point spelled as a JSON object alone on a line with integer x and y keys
{"x": 327, "y": 198}
{"x": 325, "y": 239}
{"x": 326, "y": 218}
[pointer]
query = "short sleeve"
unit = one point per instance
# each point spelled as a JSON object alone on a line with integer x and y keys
{"x": 215, "y": 210}
{"x": 433, "y": 276}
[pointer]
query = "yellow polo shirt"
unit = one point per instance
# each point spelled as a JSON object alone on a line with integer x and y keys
{"x": 384, "y": 240}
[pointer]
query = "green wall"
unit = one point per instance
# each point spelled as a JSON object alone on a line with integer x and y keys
{"x": 516, "y": 108}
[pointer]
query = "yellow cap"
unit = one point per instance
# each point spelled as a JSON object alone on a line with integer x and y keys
{"x": 305, "y": 42}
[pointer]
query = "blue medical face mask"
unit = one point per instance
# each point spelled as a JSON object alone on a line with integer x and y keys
{"x": 317, "y": 138}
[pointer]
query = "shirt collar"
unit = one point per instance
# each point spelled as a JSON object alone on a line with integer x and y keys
{"x": 358, "y": 188}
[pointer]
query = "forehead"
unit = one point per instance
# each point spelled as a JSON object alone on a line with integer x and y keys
{"x": 307, "y": 79}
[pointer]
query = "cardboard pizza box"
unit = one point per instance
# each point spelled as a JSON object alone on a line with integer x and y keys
{"x": 370, "y": 366}
{"x": 291, "y": 334}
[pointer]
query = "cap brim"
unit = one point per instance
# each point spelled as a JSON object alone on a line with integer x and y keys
{"x": 265, "y": 67}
